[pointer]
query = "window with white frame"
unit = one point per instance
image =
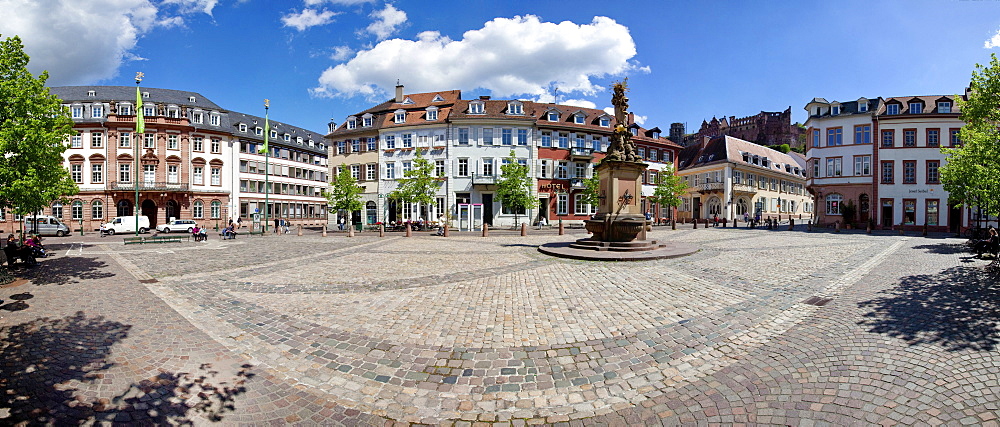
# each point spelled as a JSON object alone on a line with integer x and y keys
{"x": 96, "y": 172}
{"x": 563, "y": 140}
{"x": 390, "y": 142}
{"x": 399, "y": 116}
{"x": 553, "y": 116}
{"x": 198, "y": 209}
{"x": 125, "y": 140}
{"x": 544, "y": 166}
{"x": 834, "y": 166}
{"x": 149, "y": 173}
{"x": 506, "y": 136}
{"x": 463, "y": 167}
{"x": 148, "y": 110}
{"x": 487, "y": 136}
{"x": 390, "y": 170}
{"x": 372, "y": 172}
{"x": 366, "y": 120}
{"x": 216, "y": 209}
{"x": 407, "y": 166}
{"x": 352, "y": 123}
{"x": 372, "y": 144}
{"x": 579, "y": 119}
{"x": 125, "y": 172}
{"x": 76, "y": 141}
{"x": 97, "y": 210}
{"x": 76, "y": 172}
{"x": 76, "y": 111}
{"x": 216, "y": 145}
{"x": 476, "y": 108}
{"x": 199, "y": 118}
{"x": 199, "y": 143}
{"x": 407, "y": 140}
{"x": 862, "y": 165}
{"x": 214, "y": 119}
{"x": 522, "y": 137}
{"x": 439, "y": 168}
{"x": 432, "y": 114}
{"x": 515, "y": 108}
{"x": 487, "y": 166}
{"x": 463, "y": 136}
{"x": 546, "y": 139}
{"x": 96, "y": 140}
{"x": 97, "y": 111}
{"x": 57, "y": 210}
{"x": 944, "y": 106}
{"x": 833, "y": 202}
{"x": 355, "y": 145}
{"x": 892, "y": 109}
{"x": 562, "y": 200}
{"x": 216, "y": 176}
{"x": 172, "y": 174}
{"x": 356, "y": 172}
{"x": 605, "y": 122}
{"x": 198, "y": 175}
{"x": 562, "y": 171}
{"x": 916, "y": 107}
{"x": 76, "y": 210}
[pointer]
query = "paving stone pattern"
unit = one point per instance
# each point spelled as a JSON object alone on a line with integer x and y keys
{"x": 465, "y": 330}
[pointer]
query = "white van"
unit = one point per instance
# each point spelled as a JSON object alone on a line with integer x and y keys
{"x": 45, "y": 225}
{"x": 125, "y": 224}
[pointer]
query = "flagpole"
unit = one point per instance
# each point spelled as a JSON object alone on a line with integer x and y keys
{"x": 267, "y": 168}
{"x": 139, "y": 127}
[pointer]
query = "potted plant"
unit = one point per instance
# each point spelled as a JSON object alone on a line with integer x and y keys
{"x": 848, "y": 211}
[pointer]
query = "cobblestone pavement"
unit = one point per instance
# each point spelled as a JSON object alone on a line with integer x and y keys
{"x": 759, "y": 327}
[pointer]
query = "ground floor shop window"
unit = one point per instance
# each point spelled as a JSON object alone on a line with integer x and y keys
{"x": 833, "y": 204}
{"x": 97, "y": 210}
{"x": 909, "y": 211}
{"x": 932, "y": 212}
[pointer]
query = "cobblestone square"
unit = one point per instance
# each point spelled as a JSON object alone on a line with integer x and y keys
{"x": 758, "y": 327}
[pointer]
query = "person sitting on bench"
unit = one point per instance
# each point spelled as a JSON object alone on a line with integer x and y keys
{"x": 228, "y": 232}
{"x": 990, "y": 244}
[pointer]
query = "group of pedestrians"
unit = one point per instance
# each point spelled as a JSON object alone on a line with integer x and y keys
{"x": 27, "y": 252}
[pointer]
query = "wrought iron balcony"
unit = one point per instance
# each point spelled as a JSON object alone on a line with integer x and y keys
{"x": 578, "y": 183}
{"x": 149, "y": 186}
{"x": 744, "y": 188}
{"x": 712, "y": 186}
{"x": 480, "y": 179}
{"x": 581, "y": 153}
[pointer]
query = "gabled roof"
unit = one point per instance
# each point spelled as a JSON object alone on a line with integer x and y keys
{"x": 492, "y": 109}
{"x": 723, "y": 149}
{"x": 929, "y": 101}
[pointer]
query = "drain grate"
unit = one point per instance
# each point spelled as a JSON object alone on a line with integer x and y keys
{"x": 817, "y": 301}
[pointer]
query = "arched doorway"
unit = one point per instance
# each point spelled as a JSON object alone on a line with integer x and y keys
{"x": 123, "y": 208}
{"x": 149, "y": 211}
{"x": 742, "y": 207}
{"x": 864, "y": 207}
{"x": 714, "y": 207}
{"x": 172, "y": 210}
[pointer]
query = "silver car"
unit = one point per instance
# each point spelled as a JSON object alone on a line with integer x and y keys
{"x": 177, "y": 225}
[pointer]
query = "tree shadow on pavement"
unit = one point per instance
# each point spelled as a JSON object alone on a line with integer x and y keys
{"x": 958, "y": 308}
{"x": 65, "y": 270}
{"x": 41, "y": 360}
{"x": 945, "y": 248}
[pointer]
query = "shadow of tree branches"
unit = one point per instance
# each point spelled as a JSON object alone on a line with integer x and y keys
{"x": 64, "y": 270}
{"x": 42, "y": 359}
{"x": 958, "y": 308}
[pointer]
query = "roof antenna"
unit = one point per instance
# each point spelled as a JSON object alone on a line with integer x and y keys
{"x": 555, "y": 94}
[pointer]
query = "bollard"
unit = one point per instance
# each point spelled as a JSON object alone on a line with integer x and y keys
{"x": 350, "y": 231}
{"x": 924, "y": 233}
{"x": 409, "y": 231}
{"x": 695, "y": 225}
{"x": 809, "y": 226}
{"x": 381, "y": 230}
{"x": 673, "y": 224}
{"x": 486, "y": 230}
{"x": 324, "y": 230}
{"x": 446, "y": 230}
{"x": 837, "y": 226}
{"x": 869, "y": 228}
{"x": 901, "y": 229}
{"x": 723, "y": 222}
{"x": 524, "y": 229}
{"x": 300, "y": 230}
{"x": 562, "y": 230}
{"x": 736, "y": 223}
{"x": 791, "y": 223}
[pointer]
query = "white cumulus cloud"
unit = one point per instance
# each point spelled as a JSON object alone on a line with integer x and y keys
{"x": 993, "y": 41}
{"x": 386, "y": 22}
{"x": 79, "y": 42}
{"x": 582, "y": 103}
{"x": 190, "y": 6}
{"x": 340, "y": 2}
{"x": 341, "y": 53}
{"x": 508, "y": 56}
{"x": 308, "y": 18}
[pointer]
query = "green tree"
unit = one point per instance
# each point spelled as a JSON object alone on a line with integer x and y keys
{"x": 514, "y": 187}
{"x": 418, "y": 184}
{"x": 34, "y": 128}
{"x": 669, "y": 189}
{"x": 345, "y": 194}
{"x": 971, "y": 175}
{"x": 592, "y": 189}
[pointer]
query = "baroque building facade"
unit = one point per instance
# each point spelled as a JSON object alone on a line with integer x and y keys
{"x": 468, "y": 141}
{"x": 196, "y": 160}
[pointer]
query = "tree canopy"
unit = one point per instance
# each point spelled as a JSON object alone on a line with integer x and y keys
{"x": 345, "y": 194}
{"x": 669, "y": 189}
{"x": 418, "y": 184}
{"x": 514, "y": 186}
{"x": 971, "y": 175}
{"x": 592, "y": 189}
{"x": 34, "y": 128}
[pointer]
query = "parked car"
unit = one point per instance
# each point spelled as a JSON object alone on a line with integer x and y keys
{"x": 125, "y": 224}
{"x": 45, "y": 225}
{"x": 177, "y": 225}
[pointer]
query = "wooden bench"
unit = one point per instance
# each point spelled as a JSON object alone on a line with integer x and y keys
{"x": 134, "y": 240}
{"x": 255, "y": 233}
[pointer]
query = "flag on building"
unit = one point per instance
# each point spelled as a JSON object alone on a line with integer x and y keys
{"x": 267, "y": 133}
{"x": 140, "y": 121}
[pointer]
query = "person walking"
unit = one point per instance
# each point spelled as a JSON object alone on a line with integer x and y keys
{"x": 277, "y": 225}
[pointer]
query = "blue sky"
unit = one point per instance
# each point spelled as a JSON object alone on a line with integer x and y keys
{"x": 686, "y": 61}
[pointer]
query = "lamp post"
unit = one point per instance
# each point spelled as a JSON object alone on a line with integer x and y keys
{"x": 140, "y": 127}
{"x": 267, "y": 168}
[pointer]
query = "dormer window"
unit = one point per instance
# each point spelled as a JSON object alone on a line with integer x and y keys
{"x": 756, "y": 160}
{"x": 145, "y": 94}
{"x": 97, "y": 111}
{"x": 606, "y": 121}
{"x": 243, "y": 127}
{"x": 173, "y": 112}
{"x": 287, "y": 137}
{"x": 553, "y": 116}
{"x": 91, "y": 93}
{"x": 214, "y": 119}
{"x": 258, "y": 131}
{"x": 515, "y": 108}
{"x": 399, "y": 116}
{"x": 862, "y": 105}
{"x": 432, "y": 114}
{"x": 437, "y": 98}
{"x": 124, "y": 109}
{"x": 746, "y": 157}
{"x": 298, "y": 140}
{"x": 916, "y": 107}
{"x": 892, "y": 109}
{"x": 407, "y": 101}
{"x": 311, "y": 143}
{"x": 476, "y": 108}
{"x": 366, "y": 120}
{"x": 191, "y": 99}
{"x": 656, "y": 135}
{"x": 148, "y": 110}
{"x": 944, "y": 107}
{"x": 835, "y": 110}
{"x": 579, "y": 119}
{"x": 352, "y": 123}
{"x": 635, "y": 131}
{"x": 274, "y": 134}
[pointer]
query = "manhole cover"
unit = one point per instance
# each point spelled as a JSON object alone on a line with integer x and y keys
{"x": 817, "y": 301}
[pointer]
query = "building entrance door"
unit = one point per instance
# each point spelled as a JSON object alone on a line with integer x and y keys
{"x": 149, "y": 211}
{"x": 488, "y": 209}
{"x": 954, "y": 218}
{"x": 696, "y": 208}
{"x": 887, "y": 220}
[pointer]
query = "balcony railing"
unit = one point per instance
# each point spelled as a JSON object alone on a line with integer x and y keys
{"x": 744, "y": 188}
{"x": 582, "y": 153}
{"x": 712, "y": 186}
{"x": 578, "y": 183}
{"x": 150, "y": 186}
{"x": 480, "y": 179}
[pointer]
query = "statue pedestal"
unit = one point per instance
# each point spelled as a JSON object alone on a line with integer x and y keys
{"x": 619, "y": 216}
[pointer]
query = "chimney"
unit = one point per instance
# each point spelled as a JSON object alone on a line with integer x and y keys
{"x": 484, "y": 97}
{"x": 399, "y": 92}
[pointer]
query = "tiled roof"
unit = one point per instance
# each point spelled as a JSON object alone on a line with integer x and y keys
{"x": 721, "y": 149}
{"x": 492, "y": 109}
{"x": 930, "y": 104}
{"x": 295, "y": 132}
{"x": 72, "y": 94}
